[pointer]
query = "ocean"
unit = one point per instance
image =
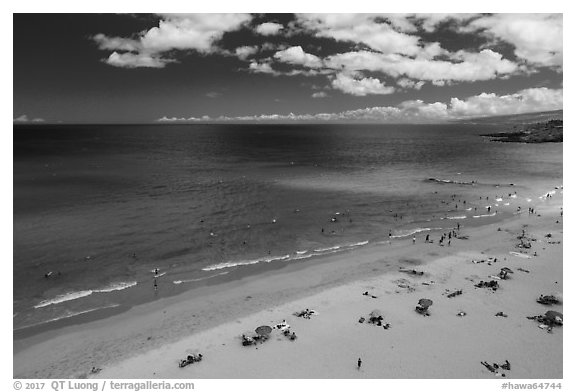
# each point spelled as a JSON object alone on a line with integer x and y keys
{"x": 98, "y": 208}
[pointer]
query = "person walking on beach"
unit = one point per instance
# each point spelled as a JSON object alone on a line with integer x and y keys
{"x": 359, "y": 363}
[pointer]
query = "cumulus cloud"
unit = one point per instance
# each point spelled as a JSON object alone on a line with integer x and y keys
{"x": 319, "y": 94}
{"x": 24, "y": 118}
{"x": 408, "y": 83}
{"x": 261, "y": 67}
{"x": 360, "y": 86}
{"x": 116, "y": 43}
{"x": 367, "y": 29}
{"x": 414, "y": 111}
{"x": 269, "y": 28}
{"x": 197, "y": 32}
{"x": 392, "y": 40}
{"x": 243, "y": 52}
{"x": 135, "y": 60}
{"x": 390, "y": 44}
{"x": 467, "y": 66}
{"x": 528, "y": 100}
{"x": 264, "y": 66}
{"x": 429, "y": 22}
{"x": 295, "y": 55}
{"x": 537, "y": 38}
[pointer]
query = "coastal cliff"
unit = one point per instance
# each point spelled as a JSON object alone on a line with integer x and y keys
{"x": 541, "y": 132}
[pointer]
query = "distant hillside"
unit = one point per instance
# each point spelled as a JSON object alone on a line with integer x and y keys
{"x": 542, "y": 132}
{"x": 517, "y": 119}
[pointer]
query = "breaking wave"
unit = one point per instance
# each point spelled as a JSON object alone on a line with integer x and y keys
{"x": 299, "y": 255}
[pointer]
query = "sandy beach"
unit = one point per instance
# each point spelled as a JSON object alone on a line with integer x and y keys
{"x": 362, "y": 197}
{"x": 461, "y": 331}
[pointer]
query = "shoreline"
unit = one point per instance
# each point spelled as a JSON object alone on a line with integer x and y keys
{"x": 154, "y": 326}
{"x": 122, "y": 301}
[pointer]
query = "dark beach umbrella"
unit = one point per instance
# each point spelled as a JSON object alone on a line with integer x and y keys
{"x": 553, "y": 315}
{"x": 425, "y": 302}
{"x": 264, "y": 330}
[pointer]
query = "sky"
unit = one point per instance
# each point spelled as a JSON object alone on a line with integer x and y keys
{"x": 171, "y": 68}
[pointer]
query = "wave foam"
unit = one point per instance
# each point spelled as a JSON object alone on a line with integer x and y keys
{"x": 484, "y": 216}
{"x": 116, "y": 287}
{"x": 199, "y": 279}
{"x": 84, "y": 293}
{"x": 415, "y": 231}
{"x": 361, "y": 243}
{"x": 69, "y": 314}
{"x": 327, "y": 249}
{"x": 64, "y": 298}
{"x": 299, "y": 256}
{"x": 231, "y": 264}
{"x": 441, "y": 181}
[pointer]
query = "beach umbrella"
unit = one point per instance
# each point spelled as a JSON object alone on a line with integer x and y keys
{"x": 264, "y": 330}
{"x": 507, "y": 270}
{"x": 553, "y": 315}
{"x": 376, "y": 313}
{"x": 425, "y": 302}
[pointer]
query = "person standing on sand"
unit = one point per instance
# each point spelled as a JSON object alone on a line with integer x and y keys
{"x": 359, "y": 363}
